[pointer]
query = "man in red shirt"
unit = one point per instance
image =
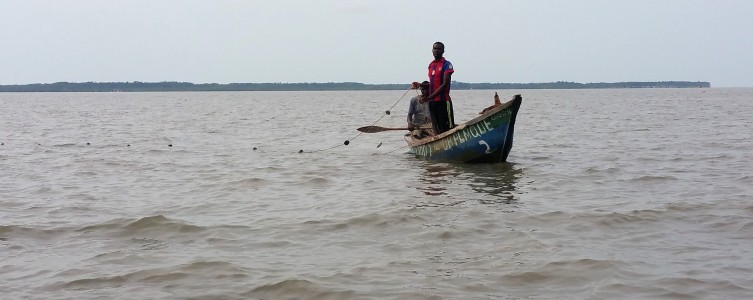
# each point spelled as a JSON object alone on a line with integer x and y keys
{"x": 440, "y": 104}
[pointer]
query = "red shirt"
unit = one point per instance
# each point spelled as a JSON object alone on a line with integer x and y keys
{"x": 437, "y": 69}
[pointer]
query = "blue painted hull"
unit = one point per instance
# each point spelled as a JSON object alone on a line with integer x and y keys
{"x": 485, "y": 139}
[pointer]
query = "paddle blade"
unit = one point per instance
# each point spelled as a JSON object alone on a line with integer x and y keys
{"x": 375, "y": 129}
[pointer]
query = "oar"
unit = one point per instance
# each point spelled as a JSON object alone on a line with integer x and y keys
{"x": 374, "y": 129}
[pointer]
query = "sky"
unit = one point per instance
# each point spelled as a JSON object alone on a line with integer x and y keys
{"x": 388, "y": 41}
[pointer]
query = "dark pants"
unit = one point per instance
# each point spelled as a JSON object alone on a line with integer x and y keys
{"x": 442, "y": 118}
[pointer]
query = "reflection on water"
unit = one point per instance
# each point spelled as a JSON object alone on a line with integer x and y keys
{"x": 497, "y": 180}
{"x": 435, "y": 178}
{"x": 492, "y": 183}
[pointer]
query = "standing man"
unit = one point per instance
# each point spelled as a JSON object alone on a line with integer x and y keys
{"x": 440, "y": 104}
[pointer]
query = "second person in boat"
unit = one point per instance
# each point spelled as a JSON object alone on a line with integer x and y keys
{"x": 419, "y": 119}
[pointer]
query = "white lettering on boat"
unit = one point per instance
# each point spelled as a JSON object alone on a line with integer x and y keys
{"x": 464, "y": 135}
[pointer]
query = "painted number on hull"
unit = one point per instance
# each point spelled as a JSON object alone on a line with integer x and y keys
{"x": 488, "y": 149}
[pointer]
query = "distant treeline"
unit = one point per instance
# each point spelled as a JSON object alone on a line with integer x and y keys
{"x": 171, "y": 86}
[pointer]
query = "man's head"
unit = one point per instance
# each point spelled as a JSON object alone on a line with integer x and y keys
{"x": 424, "y": 88}
{"x": 437, "y": 49}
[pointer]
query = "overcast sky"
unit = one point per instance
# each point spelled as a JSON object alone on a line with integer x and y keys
{"x": 224, "y": 41}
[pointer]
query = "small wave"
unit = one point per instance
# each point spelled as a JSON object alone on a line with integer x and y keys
{"x": 648, "y": 214}
{"x": 149, "y": 244}
{"x": 249, "y": 182}
{"x": 153, "y": 224}
{"x": 298, "y": 289}
{"x": 374, "y": 220}
{"x": 748, "y": 227}
{"x": 615, "y": 218}
{"x": 43, "y": 189}
{"x": 561, "y": 145}
{"x": 551, "y": 216}
{"x": 163, "y": 151}
{"x": 210, "y": 269}
{"x": 716, "y": 145}
{"x": 198, "y": 270}
{"x": 71, "y": 210}
{"x": 582, "y": 264}
{"x": 273, "y": 244}
{"x": 15, "y": 231}
{"x": 5, "y": 229}
{"x": 285, "y": 285}
{"x": 161, "y": 222}
{"x": 162, "y": 278}
{"x": 717, "y": 157}
{"x": 611, "y": 170}
{"x": 271, "y": 169}
{"x": 447, "y": 235}
{"x": 687, "y": 207}
{"x": 96, "y": 283}
{"x": 211, "y": 266}
{"x": 65, "y": 145}
{"x": 318, "y": 181}
{"x": 649, "y": 178}
{"x": 567, "y": 272}
{"x": 85, "y": 173}
{"x": 114, "y": 281}
{"x": 695, "y": 288}
{"x": 644, "y": 291}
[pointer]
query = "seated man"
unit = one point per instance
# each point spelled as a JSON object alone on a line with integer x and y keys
{"x": 419, "y": 119}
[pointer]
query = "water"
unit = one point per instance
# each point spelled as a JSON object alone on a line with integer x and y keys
{"x": 608, "y": 194}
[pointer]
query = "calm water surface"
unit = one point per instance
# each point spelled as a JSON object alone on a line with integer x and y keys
{"x": 608, "y": 194}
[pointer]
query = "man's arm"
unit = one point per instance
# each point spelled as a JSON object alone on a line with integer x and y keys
{"x": 443, "y": 86}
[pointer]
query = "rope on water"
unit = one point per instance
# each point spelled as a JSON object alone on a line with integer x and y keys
{"x": 347, "y": 142}
{"x": 403, "y": 147}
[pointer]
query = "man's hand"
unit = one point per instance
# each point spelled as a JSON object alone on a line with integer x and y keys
{"x": 414, "y": 85}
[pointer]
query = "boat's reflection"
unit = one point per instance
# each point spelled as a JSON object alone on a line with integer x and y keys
{"x": 490, "y": 183}
{"x": 435, "y": 178}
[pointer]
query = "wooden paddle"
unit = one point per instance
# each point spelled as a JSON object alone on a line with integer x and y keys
{"x": 374, "y": 129}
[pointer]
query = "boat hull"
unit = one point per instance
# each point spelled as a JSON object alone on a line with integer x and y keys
{"x": 485, "y": 139}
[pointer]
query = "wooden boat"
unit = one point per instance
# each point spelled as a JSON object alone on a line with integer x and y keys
{"x": 484, "y": 139}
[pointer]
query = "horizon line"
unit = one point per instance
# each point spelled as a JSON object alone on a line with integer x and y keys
{"x": 356, "y": 82}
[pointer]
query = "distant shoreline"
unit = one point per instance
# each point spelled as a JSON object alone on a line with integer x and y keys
{"x": 171, "y": 86}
